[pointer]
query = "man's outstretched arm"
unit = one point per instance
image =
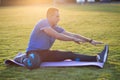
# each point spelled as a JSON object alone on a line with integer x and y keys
{"x": 51, "y": 32}
{"x": 83, "y": 39}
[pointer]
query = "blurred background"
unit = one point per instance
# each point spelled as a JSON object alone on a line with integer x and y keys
{"x": 38, "y": 2}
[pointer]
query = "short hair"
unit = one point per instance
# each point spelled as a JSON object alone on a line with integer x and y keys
{"x": 51, "y": 11}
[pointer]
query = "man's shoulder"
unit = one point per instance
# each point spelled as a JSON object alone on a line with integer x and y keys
{"x": 43, "y": 21}
{"x": 42, "y": 24}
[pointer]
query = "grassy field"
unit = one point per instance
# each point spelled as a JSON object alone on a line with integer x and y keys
{"x": 97, "y": 21}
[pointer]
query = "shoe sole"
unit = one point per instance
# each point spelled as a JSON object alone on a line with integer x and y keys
{"x": 106, "y": 53}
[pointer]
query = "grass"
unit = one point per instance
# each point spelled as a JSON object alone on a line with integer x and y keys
{"x": 97, "y": 21}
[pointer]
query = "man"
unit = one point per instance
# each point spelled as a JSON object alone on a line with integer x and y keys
{"x": 43, "y": 36}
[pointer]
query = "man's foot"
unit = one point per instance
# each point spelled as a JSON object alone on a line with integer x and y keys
{"x": 102, "y": 57}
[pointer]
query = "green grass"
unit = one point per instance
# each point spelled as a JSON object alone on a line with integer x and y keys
{"x": 97, "y": 21}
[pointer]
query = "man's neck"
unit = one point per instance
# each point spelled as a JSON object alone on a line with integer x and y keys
{"x": 51, "y": 24}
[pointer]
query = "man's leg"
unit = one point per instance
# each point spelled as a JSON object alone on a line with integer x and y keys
{"x": 55, "y": 55}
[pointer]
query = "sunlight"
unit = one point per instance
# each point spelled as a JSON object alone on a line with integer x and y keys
{"x": 38, "y": 1}
{"x": 27, "y": 2}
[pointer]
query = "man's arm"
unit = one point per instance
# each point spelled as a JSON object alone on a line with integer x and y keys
{"x": 82, "y": 38}
{"x": 51, "y": 32}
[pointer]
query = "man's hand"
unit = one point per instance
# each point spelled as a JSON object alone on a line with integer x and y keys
{"x": 93, "y": 42}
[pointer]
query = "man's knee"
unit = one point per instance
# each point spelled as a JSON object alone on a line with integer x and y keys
{"x": 32, "y": 61}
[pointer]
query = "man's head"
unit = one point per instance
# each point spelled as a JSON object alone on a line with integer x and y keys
{"x": 53, "y": 15}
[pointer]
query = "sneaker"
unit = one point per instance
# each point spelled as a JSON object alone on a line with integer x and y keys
{"x": 20, "y": 57}
{"x": 102, "y": 57}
